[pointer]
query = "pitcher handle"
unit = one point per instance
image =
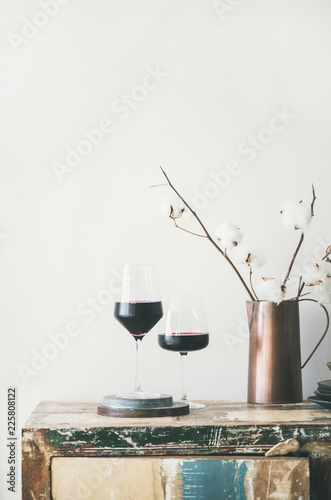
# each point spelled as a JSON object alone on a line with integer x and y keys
{"x": 324, "y": 333}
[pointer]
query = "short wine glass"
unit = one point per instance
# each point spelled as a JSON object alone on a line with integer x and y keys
{"x": 138, "y": 310}
{"x": 185, "y": 331}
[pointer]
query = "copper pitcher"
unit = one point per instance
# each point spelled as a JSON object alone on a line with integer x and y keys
{"x": 274, "y": 371}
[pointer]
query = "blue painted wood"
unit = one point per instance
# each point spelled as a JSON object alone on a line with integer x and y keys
{"x": 211, "y": 479}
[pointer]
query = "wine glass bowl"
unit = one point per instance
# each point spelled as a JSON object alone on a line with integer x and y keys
{"x": 185, "y": 331}
{"x": 139, "y": 309}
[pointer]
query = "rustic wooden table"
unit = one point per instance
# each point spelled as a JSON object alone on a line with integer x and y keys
{"x": 71, "y": 453}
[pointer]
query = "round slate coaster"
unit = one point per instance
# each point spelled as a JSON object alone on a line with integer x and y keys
{"x": 146, "y": 401}
{"x": 176, "y": 409}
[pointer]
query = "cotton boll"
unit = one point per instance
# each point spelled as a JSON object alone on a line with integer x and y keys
{"x": 292, "y": 288}
{"x": 319, "y": 277}
{"x": 303, "y": 215}
{"x": 312, "y": 275}
{"x": 229, "y": 235}
{"x": 317, "y": 272}
{"x": 270, "y": 290}
{"x": 322, "y": 291}
{"x": 243, "y": 255}
{"x": 240, "y": 254}
{"x": 296, "y": 215}
{"x": 324, "y": 267}
{"x": 171, "y": 201}
{"x": 256, "y": 259}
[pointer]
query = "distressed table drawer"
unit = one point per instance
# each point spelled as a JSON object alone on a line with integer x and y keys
{"x": 204, "y": 478}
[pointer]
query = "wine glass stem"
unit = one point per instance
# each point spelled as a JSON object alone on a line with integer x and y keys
{"x": 183, "y": 357}
{"x": 137, "y": 382}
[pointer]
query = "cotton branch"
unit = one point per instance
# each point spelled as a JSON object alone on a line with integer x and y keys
{"x": 300, "y": 241}
{"x": 293, "y": 259}
{"x": 186, "y": 230}
{"x": 207, "y": 235}
{"x": 299, "y": 286}
{"x": 313, "y": 201}
{"x": 251, "y": 283}
{"x": 328, "y": 252}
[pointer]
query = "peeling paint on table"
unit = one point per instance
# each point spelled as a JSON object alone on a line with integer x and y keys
{"x": 221, "y": 429}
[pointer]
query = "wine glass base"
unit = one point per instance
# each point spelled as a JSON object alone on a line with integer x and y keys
{"x": 138, "y": 400}
{"x": 193, "y": 406}
{"x": 139, "y": 395}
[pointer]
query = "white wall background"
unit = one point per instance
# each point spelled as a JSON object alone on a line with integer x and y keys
{"x": 61, "y": 242}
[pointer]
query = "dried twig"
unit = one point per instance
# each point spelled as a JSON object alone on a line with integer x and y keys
{"x": 251, "y": 283}
{"x": 299, "y": 287}
{"x": 328, "y": 252}
{"x": 158, "y": 185}
{"x": 302, "y": 287}
{"x": 186, "y": 230}
{"x": 293, "y": 259}
{"x": 297, "y": 297}
{"x": 210, "y": 238}
{"x": 313, "y": 201}
{"x": 300, "y": 241}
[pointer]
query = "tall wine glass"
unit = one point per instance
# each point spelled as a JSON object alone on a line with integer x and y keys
{"x": 185, "y": 331}
{"x": 139, "y": 309}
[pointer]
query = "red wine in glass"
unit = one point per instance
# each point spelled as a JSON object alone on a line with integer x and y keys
{"x": 138, "y": 317}
{"x": 184, "y": 342}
